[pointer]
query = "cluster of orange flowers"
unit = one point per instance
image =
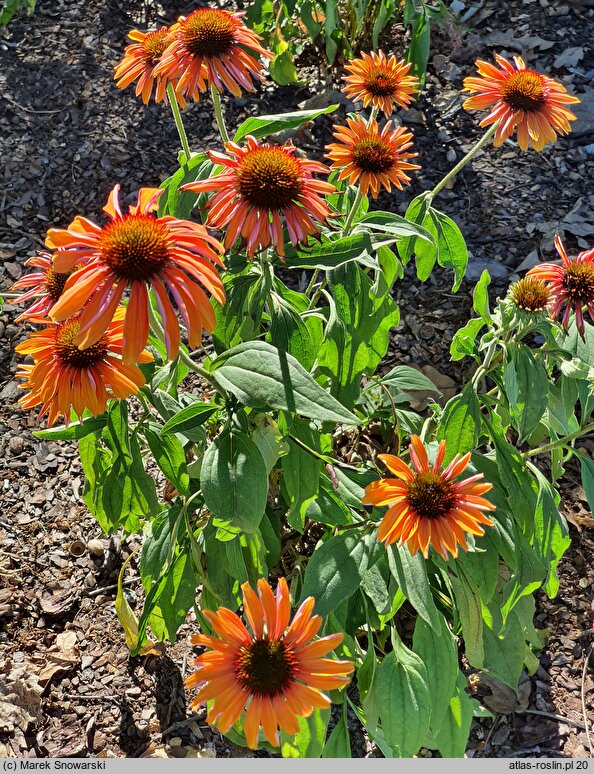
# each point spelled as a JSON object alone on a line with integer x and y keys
{"x": 90, "y": 345}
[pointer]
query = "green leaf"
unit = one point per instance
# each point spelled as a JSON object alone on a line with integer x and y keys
{"x": 465, "y": 340}
{"x": 480, "y": 297}
{"x": 452, "y": 250}
{"x": 338, "y": 744}
{"x": 269, "y": 440}
{"x": 452, "y": 738}
{"x": 526, "y": 389}
{"x": 405, "y": 378}
{"x": 587, "y": 472}
{"x": 261, "y": 126}
{"x": 282, "y": 68}
{"x": 168, "y": 602}
{"x": 329, "y": 254}
{"x": 170, "y": 457}
{"x": 301, "y": 473}
{"x": 189, "y": 418}
{"x": 335, "y": 569}
{"x": 438, "y": 650}
{"x": 327, "y": 507}
{"x": 308, "y": 742}
{"x": 410, "y": 572}
{"x": 289, "y": 333}
{"x": 468, "y": 606}
{"x": 418, "y": 49}
{"x": 263, "y": 377}
{"x": 234, "y": 481}
{"x": 403, "y": 699}
{"x": 460, "y": 423}
{"x": 75, "y": 430}
{"x": 178, "y": 203}
{"x": 389, "y": 223}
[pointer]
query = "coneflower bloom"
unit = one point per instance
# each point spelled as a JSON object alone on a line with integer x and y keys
{"x": 44, "y": 286}
{"x": 520, "y": 99}
{"x": 375, "y": 159}
{"x": 64, "y": 377}
{"x": 427, "y": 507}
{"x": 258, "y": 184}
{"x": 571, "y": 285}
{"x": 530, "y": 295}
{"x": 139, "y": 62}
{"x": 275, "y": 668}
{"x": 212, "y": 47}
{"x": 380, "y": 81}
{"x": 140, "y": 251}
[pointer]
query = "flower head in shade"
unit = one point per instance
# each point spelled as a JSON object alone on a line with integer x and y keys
{"x": 571, "y": 285}
{"x": 375, "y": 159}
{"x": 63, "y": 376}
{"x": 530, "y": 295}
{"x": 275, "y": 668}
{"x": 380, "y": 81}
{"x": 139, "y": 62}
{"x": 45, "y": 286}
{"x": 212, "y": 47}
{"x": 258, "y": 184}
{"x": 427, "y": 507}
{"x": 520, "y": 99}
{"x": 139, "y": 251}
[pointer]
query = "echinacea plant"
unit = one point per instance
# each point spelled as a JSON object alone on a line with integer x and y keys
{"x": 263, "y": 510}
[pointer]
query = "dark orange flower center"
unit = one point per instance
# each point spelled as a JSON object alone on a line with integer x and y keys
{"x": 265, "y": 667}
{"x": 430, "y": 496}
{"x": 578, "y": 282}
{"x": 55, "y": 281}
{"x": 269, "y": 178}
{"x": 530, "y": 295}
{"x": 154, "y": 44}
{"x": 135, "y": 247}
{"x": 208, "y": 32}
{"x": 373, "y": 154}
{"x": 524, "y": 90}
{"x": 67, "y": 351}
{"x": 380, "y": 82}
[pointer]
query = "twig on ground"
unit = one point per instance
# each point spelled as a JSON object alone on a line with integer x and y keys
{"x": 103, "y": 589}
{"x": 551, "y": 715}
{"x": 30, "y": 110}
{"x": 583, "y": 697}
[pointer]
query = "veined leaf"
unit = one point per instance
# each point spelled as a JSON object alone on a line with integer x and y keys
{"x": 263, "y": 377}
{"x": 261, "y": 126}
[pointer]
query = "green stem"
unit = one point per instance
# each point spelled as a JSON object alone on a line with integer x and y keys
{"x": 178, "y": 121}
{"x": 218, "y": 111}
{"x": 349, "y": 221}
{"x": 318, "y": 293}
{"x": 463, "y": 162}
{"x": 560, "y": 441}
{"x": 312, "y": 282}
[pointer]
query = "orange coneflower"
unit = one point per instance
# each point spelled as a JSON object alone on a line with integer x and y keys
{"x": 63, "y": 376}
{"x": 376, "y": 159}
{"x": 520, "y": 99}
{"x": 276, "y": 671}
{"x": 45, "y": 286}
{"x": 139, "y": 62}
{"x": 137, "y": 250}
{"x": 257, "y": 185}
{"x": 530, "y": 295}
{"x": 570, "y": 284}
{"x": 427, "y": 507}
{"x": 380, "y": 81}
{"x": 211, "y": 46}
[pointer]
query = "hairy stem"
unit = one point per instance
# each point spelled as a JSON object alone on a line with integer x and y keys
{"x": 463, "y": 162}
{"x": 218, "y": 111}
{"x": 183, "y": 137}
{"x": 560, "y": 441}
